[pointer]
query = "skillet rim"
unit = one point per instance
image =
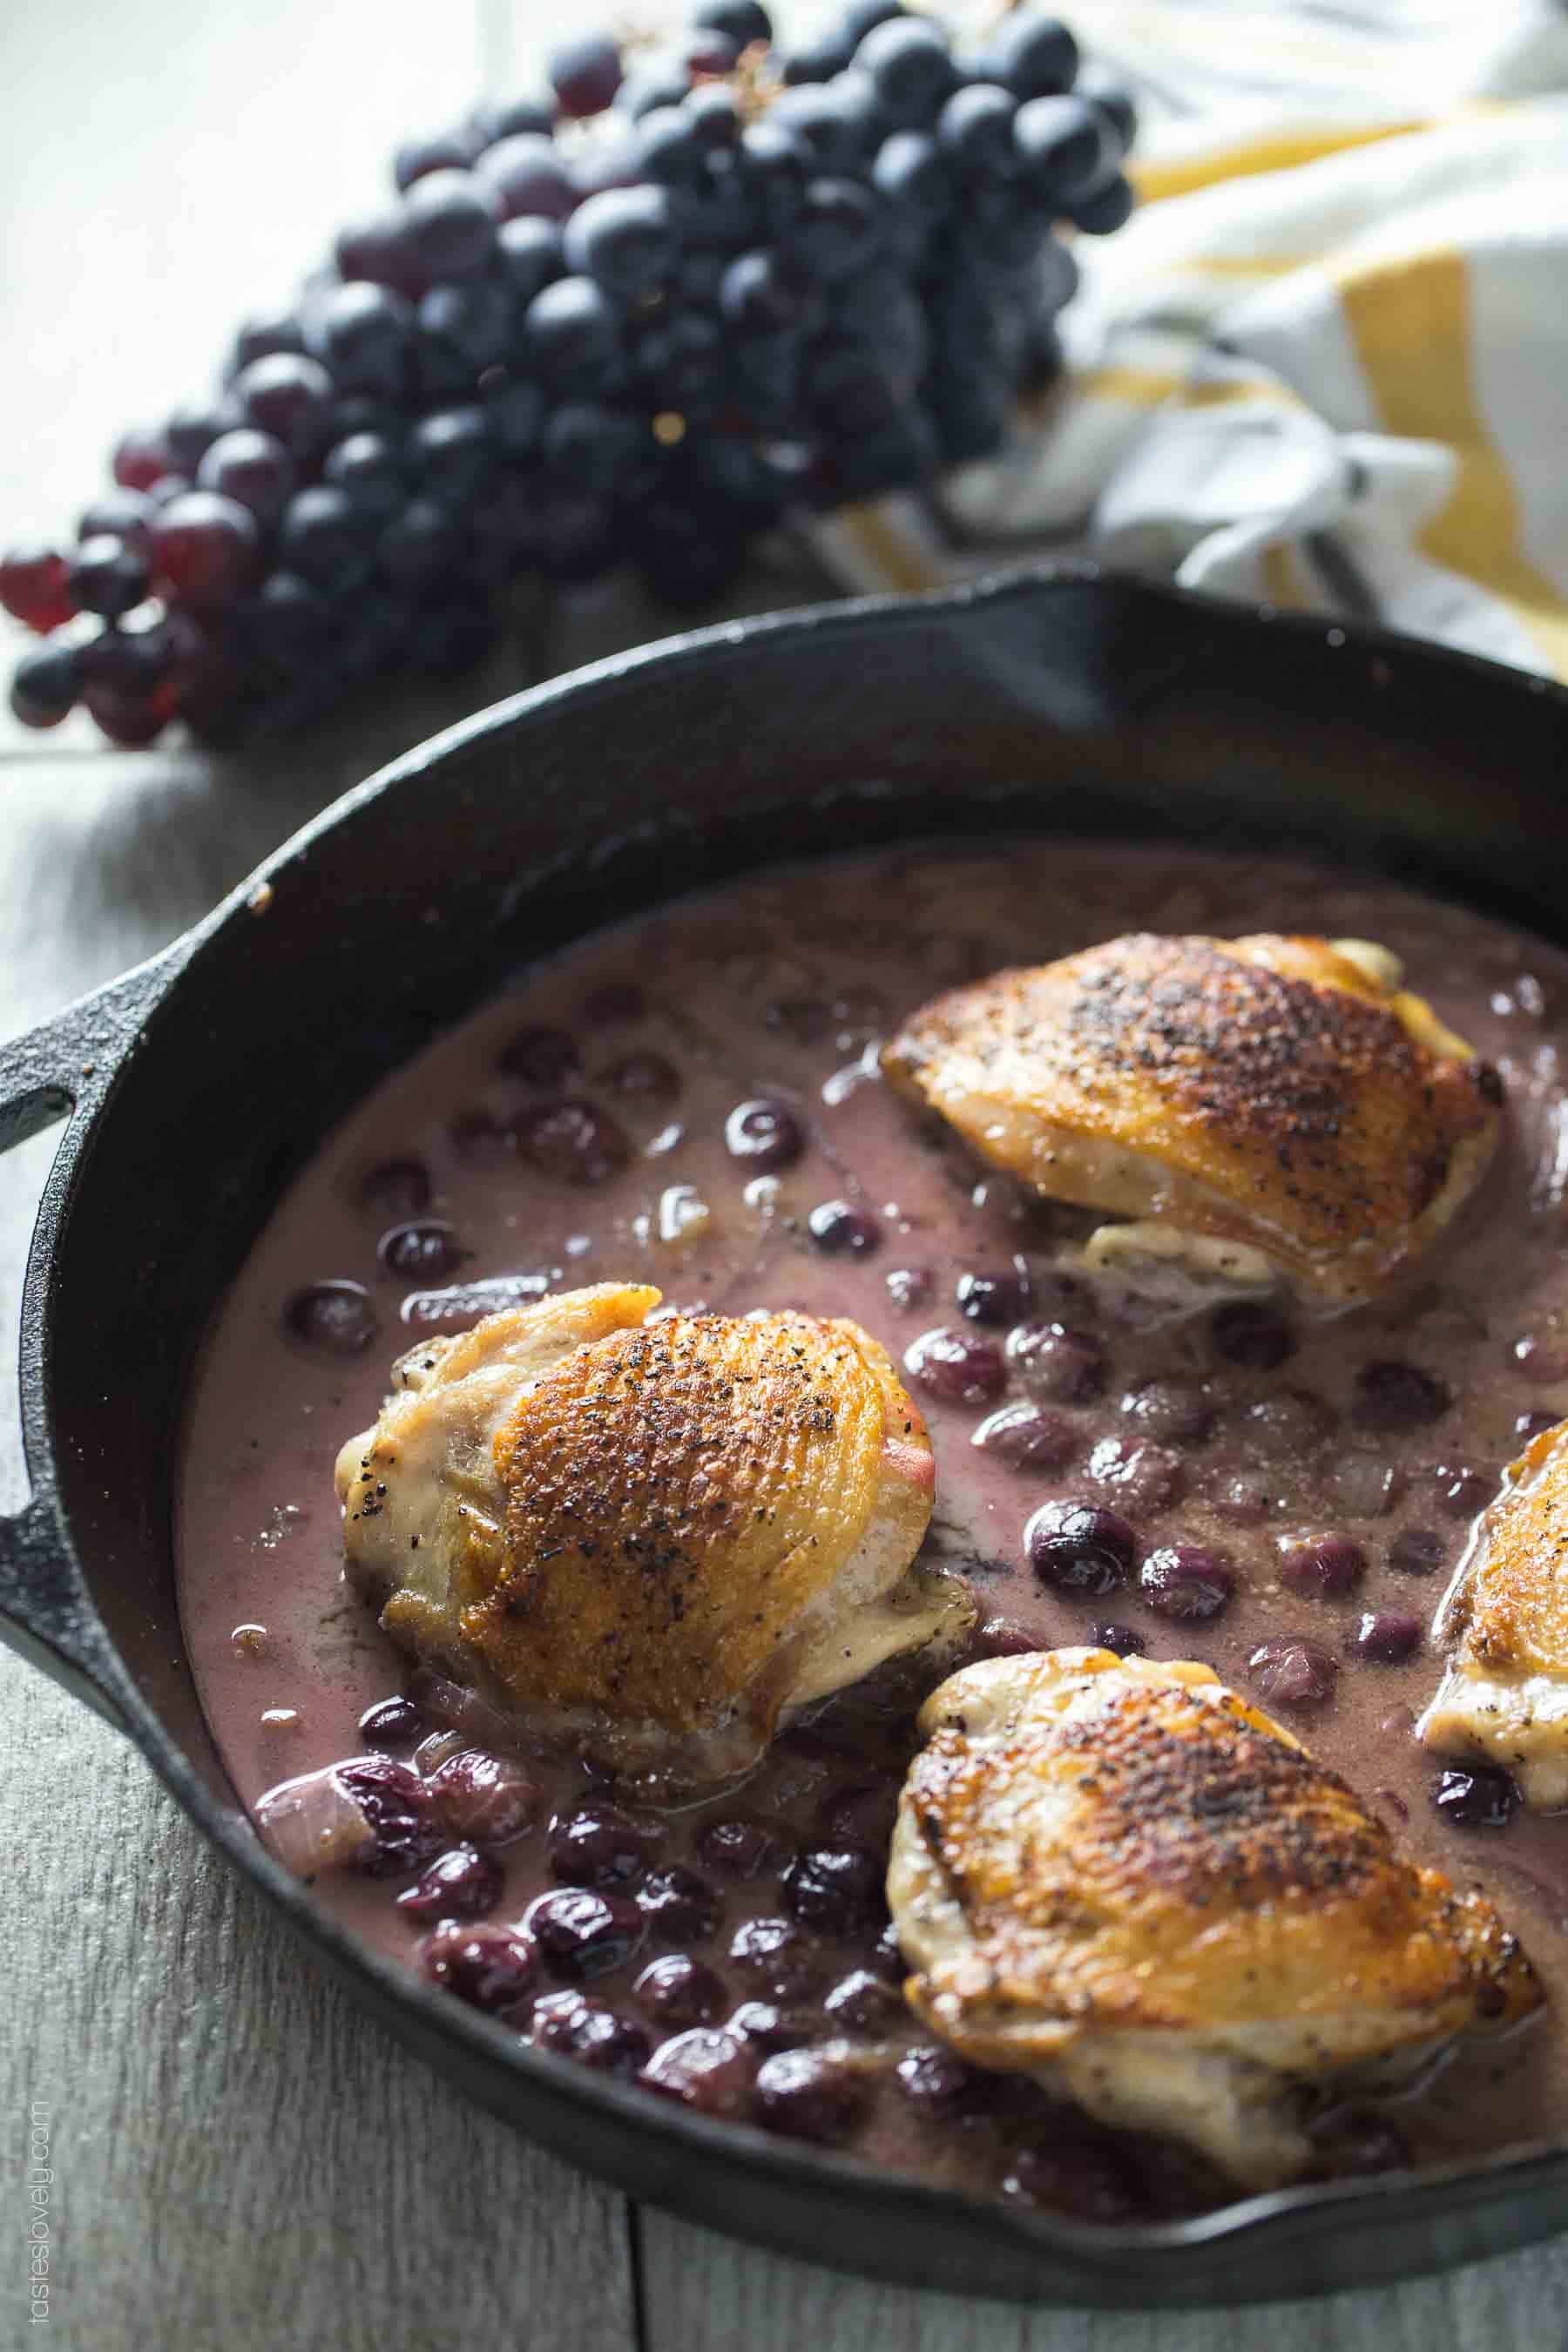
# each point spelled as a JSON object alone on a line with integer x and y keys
{"x": 1098, "y": 2263}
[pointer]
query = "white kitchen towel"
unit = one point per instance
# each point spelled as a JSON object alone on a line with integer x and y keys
{"x": 1325, "y": 366}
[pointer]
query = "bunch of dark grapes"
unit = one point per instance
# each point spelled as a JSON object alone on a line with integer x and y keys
{"x": 686, "y": 294}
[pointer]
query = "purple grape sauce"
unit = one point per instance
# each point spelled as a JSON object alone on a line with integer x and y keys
{"x": 640, "y": 315}
{"x": 1278, "y": 1496}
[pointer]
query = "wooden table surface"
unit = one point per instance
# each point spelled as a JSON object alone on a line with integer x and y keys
{"x": 241, "y": 2160}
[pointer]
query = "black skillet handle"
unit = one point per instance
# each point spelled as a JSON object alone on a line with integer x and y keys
{"x": 61, "y": 1071}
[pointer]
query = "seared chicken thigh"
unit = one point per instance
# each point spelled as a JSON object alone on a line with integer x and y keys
{"x": 656, "y": 1536}
{"x": 1121, "y": 1877}
{"x": 1504, "y": 1693}
{"x": 1255, "y": 1106}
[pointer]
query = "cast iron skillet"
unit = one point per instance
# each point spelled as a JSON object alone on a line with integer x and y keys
{"x": 197, "y": 1086}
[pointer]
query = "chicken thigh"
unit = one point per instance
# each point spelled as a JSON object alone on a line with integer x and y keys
{"x": 656, "y": 1536}
{"x": 1504, "y": 1692}
{"x": 1123, "y": 1879}
{"x": 1254, "y": 1106}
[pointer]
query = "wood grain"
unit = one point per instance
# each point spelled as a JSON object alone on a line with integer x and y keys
{"x": 702, "y": 2294}
{"x": 242, "y": 2158}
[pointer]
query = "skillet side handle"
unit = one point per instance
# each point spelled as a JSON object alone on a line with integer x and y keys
{"x": 61, "y": 1070}
{"x": 45, "y": 1615}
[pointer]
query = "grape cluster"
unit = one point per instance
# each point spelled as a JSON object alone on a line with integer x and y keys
{"x": 685, "y": 294}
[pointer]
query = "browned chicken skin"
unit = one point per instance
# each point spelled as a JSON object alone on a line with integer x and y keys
{"x": 1282, "y": 1102}
{"x": 1124, "y": 1878}
{"x": 1504, "y": 1693}
{"x": 656, "y": 1536}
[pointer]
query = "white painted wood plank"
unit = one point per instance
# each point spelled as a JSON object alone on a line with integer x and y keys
{"x": 242, "y": 2160}
{"x": 169, "y": 168}
{"x": 702, "y": 2294}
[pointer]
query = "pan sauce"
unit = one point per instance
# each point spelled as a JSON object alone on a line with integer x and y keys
{"x": 777, "y": 990}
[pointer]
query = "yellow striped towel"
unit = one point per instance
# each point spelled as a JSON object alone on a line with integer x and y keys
{"x": 1325, "y": 367}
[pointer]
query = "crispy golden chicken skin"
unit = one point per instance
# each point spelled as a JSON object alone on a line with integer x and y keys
{"x": 1122, "y": 1878}
{"x": 658, "y": 1536}
{"x": 1504, "y": 1692}
{"x": 1265, "y": 1102}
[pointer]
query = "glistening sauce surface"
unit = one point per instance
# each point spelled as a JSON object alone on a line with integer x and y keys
{"x": 1243, "y": 1441}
